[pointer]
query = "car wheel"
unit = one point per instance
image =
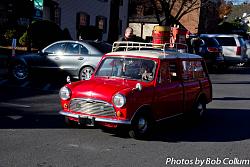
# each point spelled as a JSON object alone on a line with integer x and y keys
{"x": 86, "y": 73}
{"x": 69, "y": 122}
{"x": 141, "y": 126}
{"x": 199, "y": 109}
{"x": 20, "y": 72}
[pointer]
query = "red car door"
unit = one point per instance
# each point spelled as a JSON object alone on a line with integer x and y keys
{"x": 169, "y": 91}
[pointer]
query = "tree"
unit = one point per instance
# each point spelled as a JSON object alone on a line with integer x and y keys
{"x": 168, "y": 12}
{"x": 224, "y": 9}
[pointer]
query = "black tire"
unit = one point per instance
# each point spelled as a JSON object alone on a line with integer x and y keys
{"x": 86, "y": 73}
{"x": 141, "y": 126}
{"x": 69, "y": 123}
{"x": 19, "y": 72}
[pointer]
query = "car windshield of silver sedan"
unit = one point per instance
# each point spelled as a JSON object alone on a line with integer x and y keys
{"x": 129, "y": 68}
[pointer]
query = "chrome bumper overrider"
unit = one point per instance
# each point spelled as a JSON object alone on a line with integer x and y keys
{"x": 128, "y": 122}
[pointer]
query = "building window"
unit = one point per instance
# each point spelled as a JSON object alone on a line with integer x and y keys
{"x": 101, "y": 23}
{"x": 82, "y": 19}
{"x": 58, "y": 16}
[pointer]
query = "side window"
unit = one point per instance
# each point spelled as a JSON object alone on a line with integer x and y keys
{"x": 173, "y": 70}
{"x": 198, "y": 69}
{"x": 192, "y": 70}
{"x": 83, "y": 50}
{"x": 168, "y": 72}
{"x": 163, "y": 76}
{"x": 72, "y": 48}
{"x": 226, "y": 41}
{"x": 53, "y": 49}
{"x": 187, "y": 73}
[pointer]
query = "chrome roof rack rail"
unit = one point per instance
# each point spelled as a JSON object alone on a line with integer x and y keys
{"x": 127, "y": 45}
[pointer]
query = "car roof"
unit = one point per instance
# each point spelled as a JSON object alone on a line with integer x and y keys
{"x": 154, "y": 54}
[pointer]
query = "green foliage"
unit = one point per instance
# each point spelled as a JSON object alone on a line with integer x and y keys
{"x": 10, "y": 34}
{"x": 23, "y": 40}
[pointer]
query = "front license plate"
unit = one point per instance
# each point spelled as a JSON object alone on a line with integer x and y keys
{"x": 88, "y": 121}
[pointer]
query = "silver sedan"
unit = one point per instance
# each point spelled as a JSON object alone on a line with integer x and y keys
{"x": 75, "y": 58}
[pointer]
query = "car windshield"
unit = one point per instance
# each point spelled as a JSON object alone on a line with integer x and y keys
{"x": 129, "y": 68}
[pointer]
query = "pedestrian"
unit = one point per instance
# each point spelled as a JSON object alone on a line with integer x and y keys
{"x": 196, "y": 43}
{"x": 189, "y": 43}
{"x": 128, "y": 37}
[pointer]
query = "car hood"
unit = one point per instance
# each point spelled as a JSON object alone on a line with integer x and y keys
{"x": 101, "y": 89}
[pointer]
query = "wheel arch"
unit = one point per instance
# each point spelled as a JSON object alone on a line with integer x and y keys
{"x": 144, "y": 109}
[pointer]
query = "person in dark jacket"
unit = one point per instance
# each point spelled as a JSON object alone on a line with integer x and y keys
{"x": 128, "y": 37}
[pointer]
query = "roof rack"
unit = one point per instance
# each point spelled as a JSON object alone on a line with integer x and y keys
{"x": 127, "y": 45}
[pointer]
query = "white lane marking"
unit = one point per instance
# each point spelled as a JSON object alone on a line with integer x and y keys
{"x": 46, "y": 87}
{"x": 3, "y": 82}
{"x": 25, "y": 84}
{"x": 15, "y": 117}
{"x": 3, "y": 104}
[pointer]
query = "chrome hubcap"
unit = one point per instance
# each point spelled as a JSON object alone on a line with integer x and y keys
{"x": 86, "y": 74}
{"x": 142, "y": 125}
{"x": 200, "y": 109}
{"x": 20, "y": 71}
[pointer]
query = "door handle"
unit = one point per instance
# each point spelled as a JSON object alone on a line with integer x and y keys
{"x": 80, "y": 58}
{"x": 57, "y": 58}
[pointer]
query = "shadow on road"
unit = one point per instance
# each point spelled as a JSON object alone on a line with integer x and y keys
{"x": 218, "y": 125}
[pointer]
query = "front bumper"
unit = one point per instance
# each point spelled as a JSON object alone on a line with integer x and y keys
{"x": 107, "y": 120}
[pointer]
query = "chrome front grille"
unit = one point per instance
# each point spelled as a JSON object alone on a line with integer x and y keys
{"x": 92, "y": 106}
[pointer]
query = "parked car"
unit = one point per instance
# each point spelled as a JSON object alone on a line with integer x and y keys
{"x": 76, "y": 58}
{"x": 248, "y": 50}
{"x": 211, "y": 51}
{"x": 233, "y": 47}
{"x": 137, "y": 88}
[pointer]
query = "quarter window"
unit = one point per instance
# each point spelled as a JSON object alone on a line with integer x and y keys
{"x": 83, "y": 50}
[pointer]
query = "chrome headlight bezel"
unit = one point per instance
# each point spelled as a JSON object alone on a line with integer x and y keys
{"x": 65, "y": 93}
{"x": 119, "y": 100}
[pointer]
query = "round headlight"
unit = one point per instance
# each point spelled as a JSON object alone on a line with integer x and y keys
{"x": 119, "y": 100}
{"x": 65, "y": 93}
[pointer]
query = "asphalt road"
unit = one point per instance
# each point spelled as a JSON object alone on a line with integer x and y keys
{"x": 33, "y": 134}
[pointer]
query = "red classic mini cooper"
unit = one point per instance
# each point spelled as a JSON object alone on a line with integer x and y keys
{"x": 137, "y": 88}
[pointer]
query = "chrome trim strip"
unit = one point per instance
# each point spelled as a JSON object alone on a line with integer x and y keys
{"x": 127, "y": 122}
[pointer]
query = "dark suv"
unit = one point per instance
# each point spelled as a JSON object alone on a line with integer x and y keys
{"x": 211, "y": 51}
